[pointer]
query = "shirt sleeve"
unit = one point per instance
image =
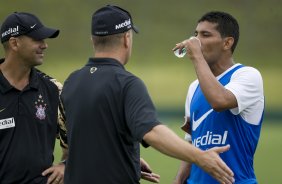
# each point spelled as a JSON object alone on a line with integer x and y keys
{"x": 140, "y": 112}
{"x": 62, "y": 126}
{"x": 190, "y": 93}
{"x": 62, "y": 131}
{"x": 247, "y": 86}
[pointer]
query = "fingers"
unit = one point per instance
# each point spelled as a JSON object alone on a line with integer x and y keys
{"x": 221, "y": 163}
{"x": 215, "y": 166}
{"x": 145, "y": 166}
{"x": 218, "y": 172}
{"x": 195, "y": 38}
{"x": 188, "y": 43}
{"x": 179, "y": 46}
{"x": 47, "y": 171}
{"x": 224, "y": 180}
{"x": 221, "y": 149}
{"x": 224, "y": 173}
{"x": 56, "y": 174}
{"x": 152, "y": 177}
{"x": 223, "y": 177}
{"x": 55, "y": 179}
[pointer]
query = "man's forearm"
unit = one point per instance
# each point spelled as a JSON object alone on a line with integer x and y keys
{"x": 167, "y": 142}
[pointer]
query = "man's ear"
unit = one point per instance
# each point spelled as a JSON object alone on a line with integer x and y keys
{"x": 126, "y": 38}
{"x": 13, "y": 43}
{"x": 228, "y": 43}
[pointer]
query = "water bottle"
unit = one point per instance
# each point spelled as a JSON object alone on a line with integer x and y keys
{"x": 181, "y": 54}
{"x": 184, "y": 51}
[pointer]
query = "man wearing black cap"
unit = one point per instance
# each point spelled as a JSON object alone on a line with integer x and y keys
{"x": 29, "y": 102}
{"x": 109, "y": 112}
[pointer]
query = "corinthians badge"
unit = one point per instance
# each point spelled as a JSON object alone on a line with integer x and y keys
{"x": 40, "y": 106}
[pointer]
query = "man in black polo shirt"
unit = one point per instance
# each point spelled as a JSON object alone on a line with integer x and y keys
{"x": 109, "y": 112}
{"x": 29, "y": 102}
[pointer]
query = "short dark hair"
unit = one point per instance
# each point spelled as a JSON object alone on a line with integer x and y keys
{"x": 105, "y": 42}
{"x": 227, "y": 25}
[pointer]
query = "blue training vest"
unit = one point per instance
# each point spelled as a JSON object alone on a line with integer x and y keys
{"x": 211, "y": 128}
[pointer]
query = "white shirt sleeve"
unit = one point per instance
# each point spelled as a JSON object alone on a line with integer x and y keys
{"x": 247, "y": 85}
{"x": 191, "y": 91}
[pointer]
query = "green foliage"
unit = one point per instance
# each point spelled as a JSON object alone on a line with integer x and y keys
{"x": 161, "y": 24}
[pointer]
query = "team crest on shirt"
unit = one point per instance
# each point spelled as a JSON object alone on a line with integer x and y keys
{"x": 40, "y": 106}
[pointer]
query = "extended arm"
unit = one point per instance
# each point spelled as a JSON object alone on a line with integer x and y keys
{"x": 167, "y": 142}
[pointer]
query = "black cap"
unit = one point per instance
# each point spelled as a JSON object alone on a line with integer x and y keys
{"x": 18, "y": 24}
{"x": 111, "y": 20}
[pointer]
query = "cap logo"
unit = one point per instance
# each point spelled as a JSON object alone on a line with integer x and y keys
{"x": 125, "y": 23}
{"x": 32, "y": 26}
{"x": 13, "y": 31}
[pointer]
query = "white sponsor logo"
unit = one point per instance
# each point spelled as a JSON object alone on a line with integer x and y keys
{"x": 13, "y": 31}
{"x": 32, "y": 26}
{"x": 7, "y": 123}
{"x": 210, "y": 139}
{"x": 125, "y": 23}
{"x": 196, "y": 124}
{"x": 93, "y": 69}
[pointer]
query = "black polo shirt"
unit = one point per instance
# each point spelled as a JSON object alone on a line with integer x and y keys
{"x": 28, "y": 128}
{"x": 108, "y": 111}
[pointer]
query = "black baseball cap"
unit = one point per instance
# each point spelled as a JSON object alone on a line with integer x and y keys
{"x": 17, "y": 24}
{"x": 111, "y": 20}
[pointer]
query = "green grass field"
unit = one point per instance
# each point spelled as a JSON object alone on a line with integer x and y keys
{"x": 267, "y": 158}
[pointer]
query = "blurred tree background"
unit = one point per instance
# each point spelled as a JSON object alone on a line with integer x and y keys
{"x": 162, "y": 24}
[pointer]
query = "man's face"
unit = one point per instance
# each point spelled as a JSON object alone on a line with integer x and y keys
{"x": 30, "y": 50}
{"x": 211, "y": 40}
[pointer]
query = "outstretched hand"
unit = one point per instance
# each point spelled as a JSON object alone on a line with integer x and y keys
{"x": 214, "y": 165}
{"x": 146, "y": 172}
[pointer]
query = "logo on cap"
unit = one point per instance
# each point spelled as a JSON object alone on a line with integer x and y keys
{"x": 21, "y": 23}
{"x": 32, "y": 26}
{"x": 125, "y": 23}
{"x": 13, "y": 31}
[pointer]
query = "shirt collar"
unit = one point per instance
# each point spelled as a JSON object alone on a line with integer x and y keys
{"x": 33, "y": 79}
{"x": 5, "y": 86}
{"x": 104, "y": 61}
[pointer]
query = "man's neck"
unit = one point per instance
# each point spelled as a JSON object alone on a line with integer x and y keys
{"x": 220, "y": 67}
{"x": 114, "y": 55}
{"x": 16, "y": 74}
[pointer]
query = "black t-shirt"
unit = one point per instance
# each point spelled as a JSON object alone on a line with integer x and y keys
{"x": 108, "y": 111}
{"x": 28, "y": 129}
